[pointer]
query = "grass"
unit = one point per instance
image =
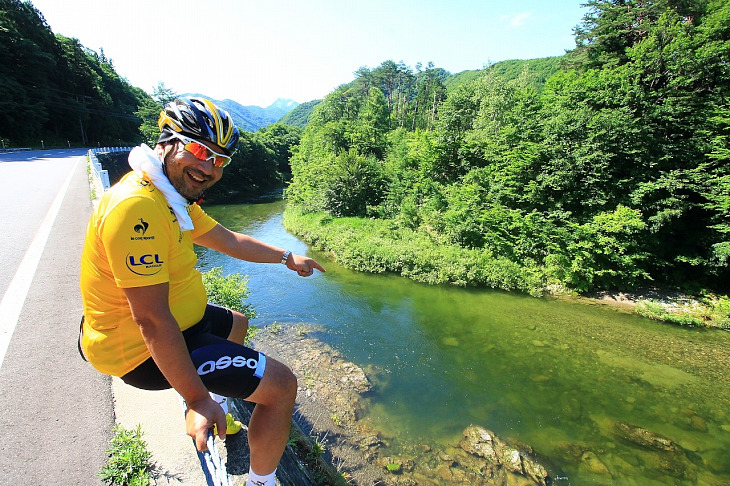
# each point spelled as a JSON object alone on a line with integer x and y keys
{"x": 129, "y": 460}
{"x": 310, "y": 450}
{"x": 378, "y": 246}
{"x": 274, "y": 328}
{"x": 318, "y": 447}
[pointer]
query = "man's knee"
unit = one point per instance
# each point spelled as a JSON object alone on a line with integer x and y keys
{"x": 287, "y": 381}
{"x": 240, "y": 319}
{"x": 278, "y": 386}
{"x": 291, "y": 385}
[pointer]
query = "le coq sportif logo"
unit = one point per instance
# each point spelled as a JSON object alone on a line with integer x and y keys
{"x": 141, "y": 230}
{"x": 141, "y": 227}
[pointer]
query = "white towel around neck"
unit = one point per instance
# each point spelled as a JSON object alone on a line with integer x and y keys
{"x": 145, "y": 162}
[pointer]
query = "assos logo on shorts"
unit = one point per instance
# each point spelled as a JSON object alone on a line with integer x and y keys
{"x": 238, "y": 361}
{"x": 145, "y": 265}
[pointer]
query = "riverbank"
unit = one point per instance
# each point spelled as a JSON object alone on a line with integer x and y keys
{"x": 668, "y": 306}
{"x": 377, "y": 246}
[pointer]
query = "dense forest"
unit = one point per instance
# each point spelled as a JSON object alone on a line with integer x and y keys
{"x": 605, "y": 168}
{"x": 55, "y": 90}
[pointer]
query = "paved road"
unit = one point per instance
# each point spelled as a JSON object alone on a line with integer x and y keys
{"x": 56, "y": 412}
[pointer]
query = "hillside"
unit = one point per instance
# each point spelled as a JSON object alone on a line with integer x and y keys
{"x": 539, "y": 70}
{"x": 299, "y": 116}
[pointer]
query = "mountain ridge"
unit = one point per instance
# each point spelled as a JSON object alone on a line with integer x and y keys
{"x": 251, "y": 117}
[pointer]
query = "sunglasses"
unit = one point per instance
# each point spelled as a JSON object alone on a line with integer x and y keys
{"x": 203, "y": 152}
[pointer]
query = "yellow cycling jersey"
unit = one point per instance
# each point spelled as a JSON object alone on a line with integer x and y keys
{"x": 133, "y": 240}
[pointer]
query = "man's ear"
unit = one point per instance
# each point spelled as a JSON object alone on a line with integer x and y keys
{"x": 162, "y": 149}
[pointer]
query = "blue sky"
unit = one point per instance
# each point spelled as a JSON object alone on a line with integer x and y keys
{"x": 254, "y": 52}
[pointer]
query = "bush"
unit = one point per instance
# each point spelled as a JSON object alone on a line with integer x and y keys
{"x": 129, "y": 460}
{"x": 230, "y": 292}
{"x": 710, "y": 311}
{"x": 379, "y": 246}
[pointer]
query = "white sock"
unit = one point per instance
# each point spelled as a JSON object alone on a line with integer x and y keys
{"x": 222, "y": 401}
{"x": 256, "y": 480}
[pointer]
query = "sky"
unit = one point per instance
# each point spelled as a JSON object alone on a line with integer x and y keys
{"x": 254, "y": 52}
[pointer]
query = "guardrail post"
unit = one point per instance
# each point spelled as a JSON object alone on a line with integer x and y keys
{"x": 104, "y": 176}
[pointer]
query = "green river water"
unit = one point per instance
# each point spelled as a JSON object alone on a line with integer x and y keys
{"x": 556, "y": 375}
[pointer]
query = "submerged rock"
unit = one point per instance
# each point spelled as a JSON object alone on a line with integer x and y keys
{"x": 483, "y": 443}
{"x": 592, "y": 464}
{"x": 643, "y": 437}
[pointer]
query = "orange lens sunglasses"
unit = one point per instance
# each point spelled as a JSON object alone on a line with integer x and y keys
{"x": 203, "y": 152}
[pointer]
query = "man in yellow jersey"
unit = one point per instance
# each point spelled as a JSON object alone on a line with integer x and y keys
{"x": 147, "y": 319}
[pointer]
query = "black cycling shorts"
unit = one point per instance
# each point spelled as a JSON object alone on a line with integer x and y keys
{"x": 226, "y": 368}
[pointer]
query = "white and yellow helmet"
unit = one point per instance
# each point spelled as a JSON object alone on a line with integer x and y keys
{"x": 200, "y": 119}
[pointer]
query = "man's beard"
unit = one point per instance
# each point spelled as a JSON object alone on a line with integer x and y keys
{"x": 185, "y": 191}
{"x": 179, "y": 177}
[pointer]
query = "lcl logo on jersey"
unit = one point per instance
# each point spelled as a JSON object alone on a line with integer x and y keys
{"x": 144, "y": 265}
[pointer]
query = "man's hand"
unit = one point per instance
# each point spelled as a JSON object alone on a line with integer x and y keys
{"x": 304, "y": 266}
{"x": 200, "y": 419}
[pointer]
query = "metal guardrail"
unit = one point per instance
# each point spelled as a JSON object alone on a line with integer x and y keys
{"x": 10, "y": 150}
{"x": 100, "y": 174}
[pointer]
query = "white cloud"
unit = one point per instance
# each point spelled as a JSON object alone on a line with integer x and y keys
{"x": 516, "y": 20}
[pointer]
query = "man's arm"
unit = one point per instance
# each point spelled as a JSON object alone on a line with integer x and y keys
{"x": 162, "y": 335}
{"x": 250, "y": 249}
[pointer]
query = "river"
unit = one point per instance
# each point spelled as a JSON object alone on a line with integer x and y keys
{"x": 598, "y": 392}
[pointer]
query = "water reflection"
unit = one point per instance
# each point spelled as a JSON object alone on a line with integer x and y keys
{"x": 593, "y": 389}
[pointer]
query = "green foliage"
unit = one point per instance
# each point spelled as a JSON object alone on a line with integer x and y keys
{"x": 710, "y": 312}
{"x": 318, "y": 447}
{"x": 605, "y": 252}
{"x": 354, "y": 183}
{"x": 379, "y": 246}
{"x": 228, "y": 291}
{"x": 149, "y": 111}
{"x": 129, "y": 461}
{"x": 602, "y": 169}
{"x": 260, "y": 164}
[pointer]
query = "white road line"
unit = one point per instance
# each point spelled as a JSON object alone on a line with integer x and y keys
{"x": 14, "y": 298}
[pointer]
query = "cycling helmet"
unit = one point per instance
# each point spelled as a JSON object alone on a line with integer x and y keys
{"x": 200, "y": 119}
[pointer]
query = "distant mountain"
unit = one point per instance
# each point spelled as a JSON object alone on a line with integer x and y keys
{"x": 281, "y": 107}
{"x": 251, "y": 118}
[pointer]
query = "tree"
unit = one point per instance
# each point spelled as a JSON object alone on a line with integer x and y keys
{"x": 149, "y": 111}
{"x": 279, "y": 140}
{"x": 367, "y": 133}
{"x": 354, "y": 184}
{"x": 62, "y": 91}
